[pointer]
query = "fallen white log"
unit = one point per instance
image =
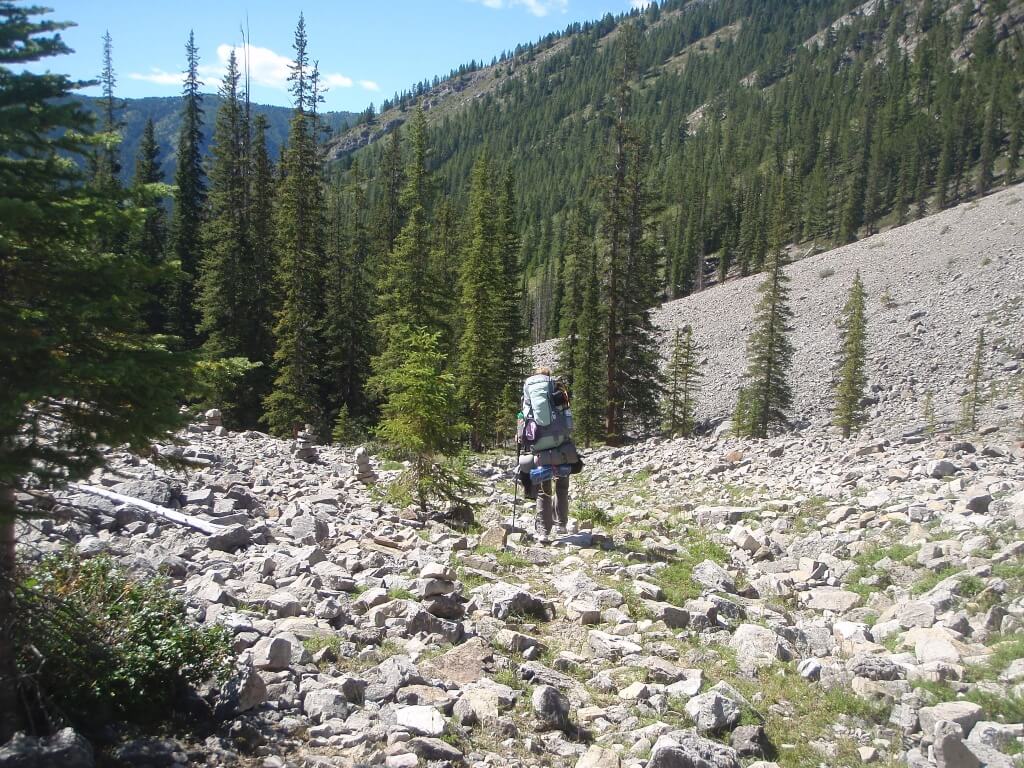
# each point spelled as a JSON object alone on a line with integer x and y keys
{"x": 168, "y": 514}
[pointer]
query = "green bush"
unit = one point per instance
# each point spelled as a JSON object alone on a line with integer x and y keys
{"x": 97, "y": 645}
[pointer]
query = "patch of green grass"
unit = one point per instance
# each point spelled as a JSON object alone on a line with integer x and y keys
{"x": 510, "y": 678}
{"x": 866, "y": 562}
{"x": 319, "y": 642}
{"x": 676, "y": 579}
{"x": 400, "y": 593}
{"x": 510, "y": 560}
{"x": 999, "y": 707}
{"x": 796, "y": 713}
{"x": 930, "y": 579}
{"x": 469, "y": 580}
{"x": 1004, "y": 652}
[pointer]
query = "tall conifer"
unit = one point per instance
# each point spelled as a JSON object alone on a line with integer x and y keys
{"x": 767, "y": 394}
{"x": 589, "y": 394}
{"x": 681, "y": 384}
{"x": 301, "y": 386}
{"x": 852, "y": 373}
{"x": 480, "y": 367}
{"x": 150, "y": 238}
{"x": 189, "y": 201}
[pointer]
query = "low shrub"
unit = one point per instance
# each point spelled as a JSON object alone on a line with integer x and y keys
{"x": 96, "y": 645}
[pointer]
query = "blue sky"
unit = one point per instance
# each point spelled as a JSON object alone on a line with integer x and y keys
{"x": 366, "y": 50}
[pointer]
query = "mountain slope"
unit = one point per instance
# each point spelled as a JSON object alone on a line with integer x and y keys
{"x": 947, "y": 276}
{"x": 165, "y": 111}
{"x": 839, "y": 117}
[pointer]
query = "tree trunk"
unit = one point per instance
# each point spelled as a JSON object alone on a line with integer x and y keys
{"x": 10, "y": 713}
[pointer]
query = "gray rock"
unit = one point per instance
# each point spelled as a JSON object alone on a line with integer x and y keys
{"x": 431, "y": 749}
{"x": 711, "y": 575}
{"x": 231, "y": 539}
{"x": 384, "y": 680}
{"x": 550, "y": 707}
{"x": 421, "y": 720}
{"x": 65, "y": 749}
{"x": 950, "y": 750}
{"x": 750, "y": 741}
{"x": 324, "y": 704}
{"x": 244, "y": 691}
{"x": 964, "y": 713}
{"x": 712, "y": 712}
{"x": 272, "y": 653}
{"x": 685, "y": 749}
{"x": 942, "y": 468}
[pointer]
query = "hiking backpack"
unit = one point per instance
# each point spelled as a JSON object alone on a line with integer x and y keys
{"x": 547, "y": 414}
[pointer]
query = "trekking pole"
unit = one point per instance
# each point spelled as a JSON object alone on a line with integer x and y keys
{"x": 515, "y": 483}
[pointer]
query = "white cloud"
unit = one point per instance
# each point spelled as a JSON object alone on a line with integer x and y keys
{"x": 266, "y": 68}
{"x": 536, "y": 7}
{"x": 639, "y": 5}
{"x": 159, "y": 77}
{"x": 336, "y": 81}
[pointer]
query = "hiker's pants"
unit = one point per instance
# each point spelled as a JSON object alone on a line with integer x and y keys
{"x": 545, "y": 513}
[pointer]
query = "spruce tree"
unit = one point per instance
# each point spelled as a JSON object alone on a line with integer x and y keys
{"x": 767, "y": 394}
{"x": 589, "y": 393}
{"x": 300, "y": 385}
{"x": 971, "y": 402}
{"x": 632, "y": 362}
{"x": 150, "y": 237}
{"x": 513, "y": 364}
{"x": 263, "y": 256}
{"x": 349, "y": 301}
{"x": 417, "y": 424}
{"x": 480, "y": 366}
{"x": 107, "y": 165}
{"x": 79, "y": 372}
{"x": 189, "y": 201}
{"x": 682, "y": 383}
{"x": 230, "y": 318}
{"x": 852, "y": 378}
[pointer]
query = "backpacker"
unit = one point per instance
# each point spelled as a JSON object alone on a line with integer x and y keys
{"x": 548, "y": 420}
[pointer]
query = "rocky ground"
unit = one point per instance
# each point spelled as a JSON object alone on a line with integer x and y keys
{"x": 931, "y": 285}
{"x": 800, "y": 601}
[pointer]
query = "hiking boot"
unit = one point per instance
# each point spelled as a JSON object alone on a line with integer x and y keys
{"x": 542, "y": 537}
{"x": 560, "y": 530}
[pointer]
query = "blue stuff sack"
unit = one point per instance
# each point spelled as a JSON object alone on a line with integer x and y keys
{"x": 540, "y": 474}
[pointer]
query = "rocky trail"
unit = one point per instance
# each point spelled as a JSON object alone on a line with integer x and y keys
{"x": 801, "y": 601}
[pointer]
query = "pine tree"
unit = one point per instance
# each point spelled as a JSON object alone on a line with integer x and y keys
{"x": 301, "y": 386}
{"x": 189, "y": 201}
{"x": 631, "y": 362}
{"x": 579, "y": 245}
{"x": 231, "y": 319}
{"x": 107, "y": 166}
{"x": 263, "y": 261}
{"x": 852, "y": 378}
{"x": 513, "y": 364}
{"x": 416, "y": 424}
{"x": 79, "y": 372}
{"x": 989, "y": 145}
{"x": 928, "y": 414}
{"x": 150, "y": 238}
{"x": 389, "y": 214}
{"x": 405, "y": 290}
{"x": 480, "y": 366}
{"x": 682, "y": 383}
{"x": 589, "y": 394}
{"x": 767, "y": 395}
{"x": 971, "y": 403}
{"x": 349, "y": 300}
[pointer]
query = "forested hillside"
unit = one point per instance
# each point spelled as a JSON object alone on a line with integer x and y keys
{"x": 838, "y": 117}
{"x": 165, "y": 112}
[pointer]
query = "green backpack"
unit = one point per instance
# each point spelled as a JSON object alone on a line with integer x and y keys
{"x": 551, "y": 423}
